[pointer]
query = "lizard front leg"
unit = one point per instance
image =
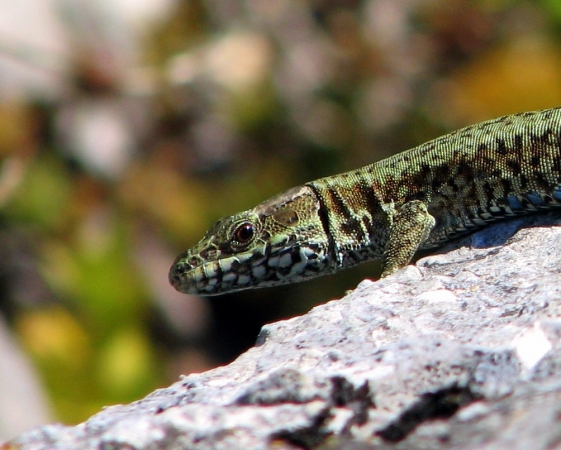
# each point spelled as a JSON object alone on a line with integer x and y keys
{"x": 411, "y": 225}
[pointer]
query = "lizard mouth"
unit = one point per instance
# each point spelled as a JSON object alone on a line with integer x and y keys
{"x": 192, "y": 275}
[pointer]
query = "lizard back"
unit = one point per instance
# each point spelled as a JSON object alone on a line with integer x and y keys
{"x": 481, "y": 173}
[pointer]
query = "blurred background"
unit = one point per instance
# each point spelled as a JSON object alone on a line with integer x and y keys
{"x": 127, "y": 127}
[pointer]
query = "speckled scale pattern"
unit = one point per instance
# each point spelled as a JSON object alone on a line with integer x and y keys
{"x": 417, "y": 199}
{"x": 482, "y": 173}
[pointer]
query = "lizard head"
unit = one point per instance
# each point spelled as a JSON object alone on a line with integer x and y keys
{"x": 281, "y": 240}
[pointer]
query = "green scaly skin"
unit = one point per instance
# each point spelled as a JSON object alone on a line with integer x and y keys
{"x": 418, "y": 199}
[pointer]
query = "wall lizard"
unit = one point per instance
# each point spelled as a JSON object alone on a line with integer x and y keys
{"x": 417, "y": 199}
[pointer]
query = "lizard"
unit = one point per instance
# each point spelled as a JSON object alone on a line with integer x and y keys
{"x": 418, "y": 199}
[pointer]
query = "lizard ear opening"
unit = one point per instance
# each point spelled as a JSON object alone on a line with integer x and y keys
{"x": 279, "y": 202}
{"x": 287, "y": 217}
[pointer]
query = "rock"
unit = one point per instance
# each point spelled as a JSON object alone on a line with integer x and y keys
{"x": 462, "y": 350}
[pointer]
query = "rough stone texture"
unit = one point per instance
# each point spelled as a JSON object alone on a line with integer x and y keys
{"x": 462, "y": 350}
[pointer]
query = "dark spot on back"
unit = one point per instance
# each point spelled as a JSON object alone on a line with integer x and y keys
{"x": 513, "y": 164}
{"x": 507, "y": 186}
{"x": 518, "y": 142}
{"x": 501, "y": 147}
{"x": 541, "y": 180}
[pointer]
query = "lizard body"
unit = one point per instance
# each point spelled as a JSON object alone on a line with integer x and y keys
{"x": 417, "y": 199}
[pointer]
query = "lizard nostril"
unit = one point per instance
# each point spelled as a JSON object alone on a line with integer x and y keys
{"x": 180, "y": 268}
{"x": 192, "y": 263}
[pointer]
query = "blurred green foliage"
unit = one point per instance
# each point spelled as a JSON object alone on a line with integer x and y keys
{"x": 233, "y": 102}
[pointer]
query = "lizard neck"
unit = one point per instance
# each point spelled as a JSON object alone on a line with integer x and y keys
{"x": 356, "y": 219}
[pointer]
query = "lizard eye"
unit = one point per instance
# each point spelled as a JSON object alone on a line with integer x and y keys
{"x": 244, "y": 233}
